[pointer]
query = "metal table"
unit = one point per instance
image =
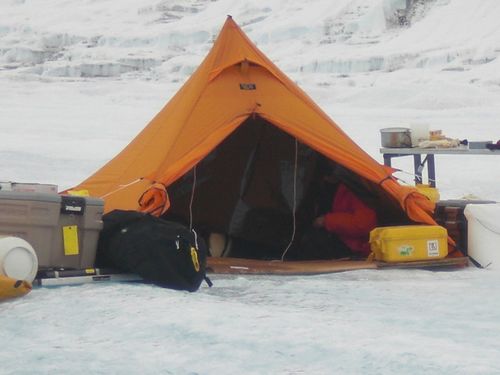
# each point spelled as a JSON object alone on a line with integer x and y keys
{"x": 418, "y": 163}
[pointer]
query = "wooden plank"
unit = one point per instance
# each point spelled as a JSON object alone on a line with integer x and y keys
{"x": 277, "y": 267}
{"x": 457, "y": 262}
{"x": 316, "y": 267}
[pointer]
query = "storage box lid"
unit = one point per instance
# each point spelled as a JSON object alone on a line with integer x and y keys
{"x": 88, "y": 201}
{"x": 92, "y": 201}
{"x": 29, "y": 196}
{"x": 77, "y": 205}
{"x": 408, "y": 232}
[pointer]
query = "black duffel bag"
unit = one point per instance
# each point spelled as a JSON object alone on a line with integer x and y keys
{"x": 163, "y": 252}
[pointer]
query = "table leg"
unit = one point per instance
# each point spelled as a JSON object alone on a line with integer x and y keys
{"x": 387, "y": 160}
{"x": 417, "y": 165}
{"x": 431, "y": 170}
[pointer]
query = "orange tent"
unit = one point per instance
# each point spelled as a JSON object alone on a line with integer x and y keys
{"x": 238, "y": 103}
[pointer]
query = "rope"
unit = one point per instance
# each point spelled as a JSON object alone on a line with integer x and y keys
{"x": 195, "y": 238}
{"x": 410, "y": 174}
{"x": 294, "y": 201}
{"x": 191, "y": 201}
{"x": 121, "y": 188}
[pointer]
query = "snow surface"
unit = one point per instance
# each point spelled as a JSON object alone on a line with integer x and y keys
{"x": 79, "y": 79}
{"x": 362, "y": 322}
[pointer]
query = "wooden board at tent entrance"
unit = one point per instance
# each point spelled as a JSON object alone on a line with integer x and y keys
{"x": 316, "y": 267}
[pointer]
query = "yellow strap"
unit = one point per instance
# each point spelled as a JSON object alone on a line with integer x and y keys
{"x": 194, "y": 258}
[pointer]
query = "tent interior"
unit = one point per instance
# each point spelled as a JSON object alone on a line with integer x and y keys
{"x": 260, "y": 188}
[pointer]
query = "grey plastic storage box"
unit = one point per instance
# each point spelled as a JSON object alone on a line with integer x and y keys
{"x": 84, "y": 214}
{"x": 34, "y": 217}
{"x": 63, "y": 230}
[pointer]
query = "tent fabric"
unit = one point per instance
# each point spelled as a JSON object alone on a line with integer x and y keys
{"x": 155, "y": 200}
{"x": 235, "y": 82}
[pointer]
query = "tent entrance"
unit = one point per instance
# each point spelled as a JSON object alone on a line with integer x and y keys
{"x": 245, "y": 190}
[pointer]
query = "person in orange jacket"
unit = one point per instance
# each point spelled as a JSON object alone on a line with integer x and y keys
{"x": 351, "y": 220}
{"x": 344, "y": 230}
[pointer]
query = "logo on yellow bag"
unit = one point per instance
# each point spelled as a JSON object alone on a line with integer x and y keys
{"x": 406, "y": 250}
{"x": 194, "y": 259}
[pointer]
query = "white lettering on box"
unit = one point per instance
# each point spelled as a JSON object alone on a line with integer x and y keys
{"x": 73, "y": 208}
{"x": 433, "y": 248}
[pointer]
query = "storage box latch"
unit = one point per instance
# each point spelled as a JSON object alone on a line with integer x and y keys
{"x": 72, "y": 205}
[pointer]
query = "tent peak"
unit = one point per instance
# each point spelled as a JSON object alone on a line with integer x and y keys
{"x": 230, "y": 21}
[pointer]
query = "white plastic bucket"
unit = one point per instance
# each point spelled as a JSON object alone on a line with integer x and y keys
{"x": 18, "y": 260}
{"x": 483, "y": 234}
{"x": 419, "y": 133}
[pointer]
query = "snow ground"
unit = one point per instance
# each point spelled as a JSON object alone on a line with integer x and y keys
{"x": 79, "y": 79}
{"x": 361, "y": 322}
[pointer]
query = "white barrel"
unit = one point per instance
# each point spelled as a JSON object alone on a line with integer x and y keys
{"x": 483, "y": 234}
{"x": 18, "y": 260}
